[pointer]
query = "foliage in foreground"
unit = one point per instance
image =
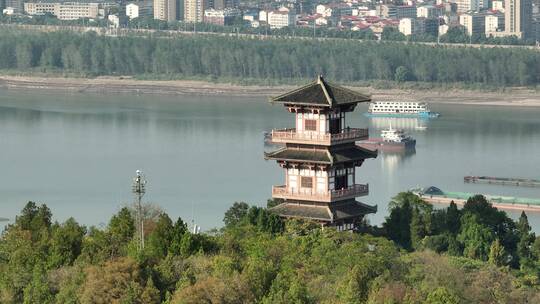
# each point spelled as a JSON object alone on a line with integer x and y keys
{"x": 258, "y": 258}
{"x": 264, "y": 60}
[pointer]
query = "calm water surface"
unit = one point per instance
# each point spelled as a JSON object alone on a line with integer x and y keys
{"x": 78, "y": 153}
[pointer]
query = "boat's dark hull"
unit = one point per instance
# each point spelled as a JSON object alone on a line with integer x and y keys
{"x": 380, "y": 145}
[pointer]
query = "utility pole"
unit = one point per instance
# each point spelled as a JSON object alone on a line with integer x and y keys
{"x": 139, "y": 188}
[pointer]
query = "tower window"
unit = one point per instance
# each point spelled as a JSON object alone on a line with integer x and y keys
{"x": 310, "y": 125}
{"x": 306, "y": 182}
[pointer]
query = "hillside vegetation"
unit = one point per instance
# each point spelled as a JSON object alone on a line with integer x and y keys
{"x": 266, "y": 61}
{"x": 420, "y": 255}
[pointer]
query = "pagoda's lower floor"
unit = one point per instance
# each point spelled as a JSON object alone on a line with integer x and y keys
{"x": 344, "y": 215}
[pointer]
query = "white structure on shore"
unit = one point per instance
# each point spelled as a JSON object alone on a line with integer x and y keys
{"x": 67, "y": 10}
{"x": 281, "y": 18}
{"x": 139, "y": 10}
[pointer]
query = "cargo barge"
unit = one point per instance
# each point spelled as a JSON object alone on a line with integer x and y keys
{"x": 392, "y": 140}
{"x": 519, "y": 182}
{"x": 437, "y": 196}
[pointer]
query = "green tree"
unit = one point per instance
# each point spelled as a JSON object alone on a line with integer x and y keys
{"x": 24, "y": 53}
{"x": 398, "y": 225}
{"x": 179, "y": 230}
{"x": 235, "y": 214}
{"x": 68, "y": 284}
{"x": 535, "y": 248}
{"x": 476, "y": 237}
{"x": 441, "y": 295}
{"x": 452, "y": 220}
{"x": 150, "y": 294}
{"x": 526, "y": 238}
{"x": 38, "y": 291}
{"x": 66, "y": 243}
{"x": 497, "y": 256}
{"x": 286, "y": 288}
{"x": 161, "y": 237}
{"x": 419, "y": 228}
{"x": 121, "y": 230}
{"x": 438, "y": 243}
{"x": 402, "y": 74}
{"x": 96, "y": 247}
{"x": 403, "y": 208}
{"x": 188, "y": 245}
{"x": 497, "y": 222}
{"x": 270, "y": 203}
{"x": 392, "y": 33}
{"x": 35, "y": 219}
{"x": 356, "y": 285}
{"x": 456, "y": 35}
{"x": 114, "y": 282}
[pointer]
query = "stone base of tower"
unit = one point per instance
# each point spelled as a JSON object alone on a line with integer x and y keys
{"x": 344, "y": 215}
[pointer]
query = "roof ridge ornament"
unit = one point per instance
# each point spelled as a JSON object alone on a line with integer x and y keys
{"x": 321, "y": 82}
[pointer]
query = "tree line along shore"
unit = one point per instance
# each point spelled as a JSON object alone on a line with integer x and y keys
{"x": 476, "y": 254}
{"x": 265, "y": 61}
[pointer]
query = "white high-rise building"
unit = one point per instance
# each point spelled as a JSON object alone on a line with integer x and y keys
{"x": 165, "y": 10}
{"x": 518, "y": 18}
{"x": 194, "y": 10}
{"x": 464, "y": 6}
{"x": 139, "y": 10}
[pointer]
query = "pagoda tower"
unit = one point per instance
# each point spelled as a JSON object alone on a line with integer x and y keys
{"x": 320, "y": 157}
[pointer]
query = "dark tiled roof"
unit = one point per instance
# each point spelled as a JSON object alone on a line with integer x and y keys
{"x": 292, "y": 154}
{"x": 351, "y": 209}
{"x": 327, "y": 213}
{"x": 303, "y": 211}
{"x": 321, "y": 93}
{"x": 352, "y": 153}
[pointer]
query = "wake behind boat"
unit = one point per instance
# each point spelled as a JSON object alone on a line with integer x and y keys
{"x": 400, "y": 109}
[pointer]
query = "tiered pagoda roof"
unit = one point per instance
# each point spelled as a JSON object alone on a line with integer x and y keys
{"x": 321, "y": 93}
{"x": 327, "y": 213}
{"x": 320, "y": 156}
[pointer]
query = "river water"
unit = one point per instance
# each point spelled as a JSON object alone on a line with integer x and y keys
{"x": 78, "y": 153}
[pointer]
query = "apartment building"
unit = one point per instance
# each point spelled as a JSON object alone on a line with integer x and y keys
{"x": 474, "y": 23}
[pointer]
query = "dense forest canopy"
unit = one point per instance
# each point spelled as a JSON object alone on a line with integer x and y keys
{"x": 420, "y": 255}
{"x": 264, "y": 60}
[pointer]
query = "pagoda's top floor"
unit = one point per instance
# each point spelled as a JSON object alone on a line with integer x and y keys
{"x": 321, "y": 96}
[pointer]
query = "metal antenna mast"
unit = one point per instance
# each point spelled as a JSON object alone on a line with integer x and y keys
{"x": 139, "y": 188}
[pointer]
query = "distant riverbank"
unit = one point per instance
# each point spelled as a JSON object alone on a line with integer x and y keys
{"x": 509, "y": 97}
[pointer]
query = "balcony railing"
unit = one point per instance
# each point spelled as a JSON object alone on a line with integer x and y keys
{"x": 291, "y": 136}
{"x": 311, "y": 195}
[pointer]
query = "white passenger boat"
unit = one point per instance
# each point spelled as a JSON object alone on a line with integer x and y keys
{"x": 400, "y": 109}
